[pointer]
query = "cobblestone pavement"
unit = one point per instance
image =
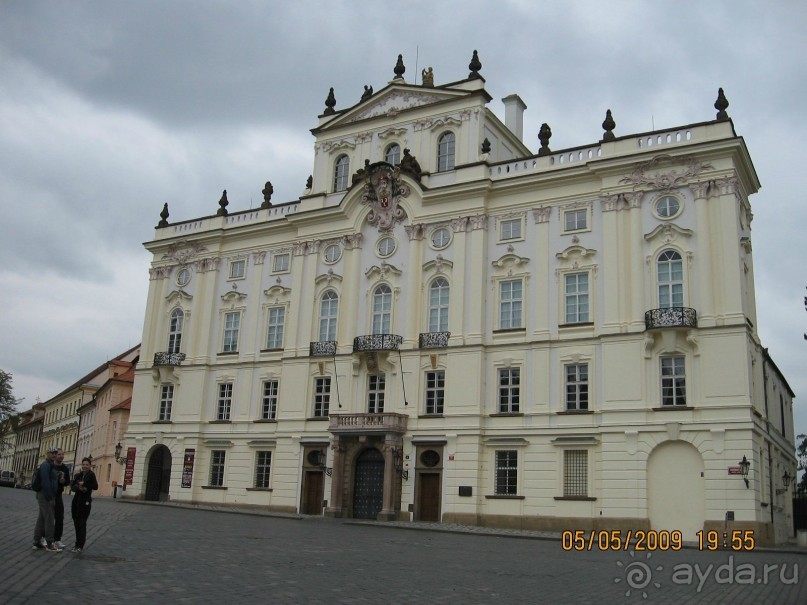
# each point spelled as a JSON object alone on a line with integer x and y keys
{"x": 139, "y": 553}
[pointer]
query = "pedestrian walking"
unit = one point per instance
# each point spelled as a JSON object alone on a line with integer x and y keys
{"x": 45, "y": 484}
{"x": 82, "y": 485}
{"x": 63, "y": 473}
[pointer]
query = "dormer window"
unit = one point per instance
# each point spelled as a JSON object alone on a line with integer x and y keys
{"x": 445, "y": 152}
{"x": 340, "y": 173}
{"x": 393, "y": 154}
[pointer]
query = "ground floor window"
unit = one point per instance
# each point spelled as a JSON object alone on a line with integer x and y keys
{"x": 575, "y": 473}
{"x": 506, "y": 472}
{"x": 217, "y": 468}
{"x": 263, "y": 463}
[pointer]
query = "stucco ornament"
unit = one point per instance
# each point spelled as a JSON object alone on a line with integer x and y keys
{"x": 664, "y": 181}
{"x": 383, "y": 190}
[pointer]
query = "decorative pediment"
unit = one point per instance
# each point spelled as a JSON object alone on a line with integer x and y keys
{"x": 668, "y": 233}
{"x": 443, "y": 122}
{"x": 392, "y": 132}
{"x": 376, "y": 271}
{"x": 183, "y": 251}
{"x": 233, "y": 297}
{"x": 438, "y": 265}
{"x": 178, "y": 296}
{"x": 327, "y": 278}
{"x": 510, "y": 260}
{"x": 277, "y": 292}
{"x": 573, "y": 253}
{"x": 329, "y": 146}
{"x": 393, "y": 101}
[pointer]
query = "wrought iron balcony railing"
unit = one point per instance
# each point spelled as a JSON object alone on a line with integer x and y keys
{"x": 377, "y": 342}
{"x": 322, "y": 348}
{"x": 433, "y": 340}
{"x": 368, "y": 423}
{"x": 676, "y": 317}
{"x": 168, "y": 359}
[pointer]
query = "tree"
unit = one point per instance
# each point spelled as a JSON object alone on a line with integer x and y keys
{"x": 8, "y": 405}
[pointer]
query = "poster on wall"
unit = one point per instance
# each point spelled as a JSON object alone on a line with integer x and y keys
{"x": 128, "y": 474}
{"x": 187, "y": 467}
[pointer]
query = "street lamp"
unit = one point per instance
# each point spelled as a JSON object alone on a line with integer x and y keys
{"x": 397, "y": 461}
{"x": 118, "y": 458}
{"x": 786, "y": 479}
{"x": 320, "y": 462}
{"x": 744, "y": 466}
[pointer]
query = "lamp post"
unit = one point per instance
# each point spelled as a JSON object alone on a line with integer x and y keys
{"x": 786, "y": 479}
{"x": 321, "y": 459}
{"x": 398, "y": 462}
{"x": 118, "y": 458}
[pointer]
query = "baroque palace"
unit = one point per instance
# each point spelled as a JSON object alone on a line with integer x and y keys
{"x": 446, "y": 326}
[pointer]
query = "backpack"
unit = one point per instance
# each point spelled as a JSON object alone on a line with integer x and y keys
{"x": 36, "y": 482}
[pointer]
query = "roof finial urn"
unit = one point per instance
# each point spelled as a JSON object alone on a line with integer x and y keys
{"x": 475, "y": 65}
{"x": 544, "y": 135}
{"x": 399, "y": 68}
{"x": 267, "y": 191}
{"x": 163, "y": 216}
{"x": 330, "y": 103}
{"x": 608, "y": 126}
{"x": 721, "y": 105}
{"x": 223, "y": 202}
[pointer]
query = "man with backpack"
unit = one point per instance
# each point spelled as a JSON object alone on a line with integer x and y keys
{"x": 46, "y": 484}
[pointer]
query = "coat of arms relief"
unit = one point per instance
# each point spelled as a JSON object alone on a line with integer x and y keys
{"x": 383, "y": 190}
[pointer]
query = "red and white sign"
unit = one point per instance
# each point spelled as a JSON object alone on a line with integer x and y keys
{"x": 735, "y": 470}
{"x": 128, "y": 474}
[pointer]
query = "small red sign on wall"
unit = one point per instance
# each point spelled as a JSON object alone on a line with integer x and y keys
{"x": 735, "y": 470}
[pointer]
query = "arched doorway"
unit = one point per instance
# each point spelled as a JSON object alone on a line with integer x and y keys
{"x": 158, "y": 477}
{"x": 675, "y": 489}
{"x": 368, "y": 486}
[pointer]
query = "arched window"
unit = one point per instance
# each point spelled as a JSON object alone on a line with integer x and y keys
{"x": 175, "y": 331}
{"x": 445, "y": 152}
{"x": 393, "y": 154}
{"x": 340, "y": 173}
{"x": 382, "y": 309}
{"x": 438, "y": 305}
{"x": 328, "y": 310}
{"x": 670, "y": 271}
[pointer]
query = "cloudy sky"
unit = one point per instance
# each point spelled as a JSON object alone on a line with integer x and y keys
{"x": 109, "y": 109}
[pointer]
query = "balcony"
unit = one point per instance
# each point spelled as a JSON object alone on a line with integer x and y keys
{"x": 677, "y": 317}
{"x": 433, "y": 340}
{"x": 346, "y": 424}
{"x": 168, "y": 359}
{"x": 377, "y": 342}
{"x": 322, "y": 348}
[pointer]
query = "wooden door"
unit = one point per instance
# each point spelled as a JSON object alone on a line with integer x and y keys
{"x": 313, "y": 493}
{"x": 429, "y": 504}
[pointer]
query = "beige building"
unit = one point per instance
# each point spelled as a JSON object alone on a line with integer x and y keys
{"x": 448, "y": 326}
{"x": 26, "y": 450}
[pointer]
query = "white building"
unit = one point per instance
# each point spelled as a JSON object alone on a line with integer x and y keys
{"x": 483, "y": 334}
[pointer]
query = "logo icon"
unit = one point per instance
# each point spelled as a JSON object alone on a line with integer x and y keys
{"x": 638, "y": 575}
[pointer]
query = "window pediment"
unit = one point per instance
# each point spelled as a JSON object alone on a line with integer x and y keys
{"x": 573, "y": 253}
{"x": 438, "y": 265}
{"x": 178, "y": 296}
{"x": 233, "y": 297}
{"x": 668, "y": 233}
{"x": 327, "y": 279}
{"x": 510, "y": 260}
{"x": 383, "y": 271}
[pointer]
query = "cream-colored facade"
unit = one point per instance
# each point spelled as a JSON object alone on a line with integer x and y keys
{"x": 486, "y": 335}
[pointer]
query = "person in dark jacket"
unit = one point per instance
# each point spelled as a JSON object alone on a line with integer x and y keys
{"x": 63, "y": 473}
{"x": 84, "y": 482}
{"x": 46, "y": 499}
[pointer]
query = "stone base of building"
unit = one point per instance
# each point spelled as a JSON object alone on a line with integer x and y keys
{"x": 764, "y": 534}
{"x": 533, "y": 523}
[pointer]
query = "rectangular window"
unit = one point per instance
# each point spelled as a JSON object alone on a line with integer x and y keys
{"x": 217, "y": 468}
{"x": 277, "y": 317}
{"x": 166, "y": 401}
{"x": 575, "y": 473}
{"x": 510, "y": 301}
{"x": 510, "y": 229}
{"x": 506, "y": 472}
{"x": 435, "y": 391}
{"x": 225, "y": 401}
{"x": 375, "y": 393}
{"x": 280, "y": 263}
{"x": 574, "y": 220}
{"x": 232, "y": 321}
{"x": 263, "y": 464}
{"x": 237, "y": 269}
{"x": 269, "y": 405}
{"x": 577, "y": 298}
{"x": 673, "y": 381}
{"x": 577, "y": 386}
{"x": 322, "y": 396}
{"x": 509, "y": 390}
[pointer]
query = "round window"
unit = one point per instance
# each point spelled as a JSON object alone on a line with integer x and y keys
{"x": 667, "y": 206}
{"x": 441, "y": 237}
{"x": 333, "y": 253}
{"x": 430, "y": 458}
{"x": 386, "y": 246}
{"x": 183, "y": 277}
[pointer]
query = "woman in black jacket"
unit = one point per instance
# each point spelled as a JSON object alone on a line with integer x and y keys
{"x": 82, "y": 485}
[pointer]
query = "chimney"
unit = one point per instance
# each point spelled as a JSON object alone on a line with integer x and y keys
{"x": 514, "y": 115}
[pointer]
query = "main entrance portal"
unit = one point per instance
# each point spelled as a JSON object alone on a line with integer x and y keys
{"x": 158, "y": 479}
{"x": 368, "y": 489}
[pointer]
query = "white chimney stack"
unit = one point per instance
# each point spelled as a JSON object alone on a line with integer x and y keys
{"x": 514, "y": 115}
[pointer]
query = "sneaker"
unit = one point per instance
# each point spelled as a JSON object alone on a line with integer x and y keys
{"x": 43, "y": 542}
{"x": 75, "y": 549}
{"x": 59, "y": 544}
{"x": 53, "y": 548}
{"x": 37, "y": 546}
